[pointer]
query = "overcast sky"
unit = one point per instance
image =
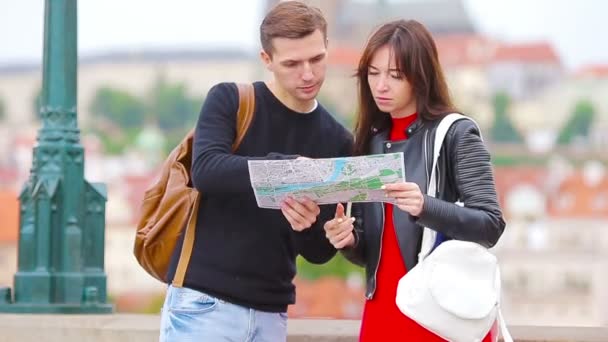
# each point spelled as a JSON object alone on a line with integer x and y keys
{"x": 577, "y": 28}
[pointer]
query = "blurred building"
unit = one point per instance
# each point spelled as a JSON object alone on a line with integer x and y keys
{"x": 465, "y": 59}
{"x": 524, "y": 70}
{"x": 543, "y": 116}
{"x": 554, "y": 251}
{"x": 351, "y": 22}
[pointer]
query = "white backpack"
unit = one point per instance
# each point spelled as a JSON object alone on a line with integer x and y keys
{"x": 454, "y": 291}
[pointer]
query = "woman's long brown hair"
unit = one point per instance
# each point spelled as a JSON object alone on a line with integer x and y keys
{"x": 416, "y": 57}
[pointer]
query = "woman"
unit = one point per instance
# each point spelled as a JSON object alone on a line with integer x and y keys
{"x": 402, "y": 97}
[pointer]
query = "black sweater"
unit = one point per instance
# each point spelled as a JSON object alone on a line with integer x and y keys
{"x": 242, "y": 253}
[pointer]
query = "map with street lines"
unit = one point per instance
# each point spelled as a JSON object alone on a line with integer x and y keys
{"x": 325, "y": 181}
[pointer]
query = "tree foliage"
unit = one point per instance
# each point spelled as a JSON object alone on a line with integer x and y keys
{"x": 502, "y": 130}
{"x": 338, "y": 266}
{"x": 119, "y": 107}
{"x": 172, "y": 107}
{"x": 579, "y": 124}
{"x": 121, "y": 116}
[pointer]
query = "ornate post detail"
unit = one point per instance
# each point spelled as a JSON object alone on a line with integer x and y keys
{"x": 61, "y": 237}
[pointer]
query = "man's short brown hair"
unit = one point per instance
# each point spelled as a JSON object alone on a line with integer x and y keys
{"x": 293, "y": 20}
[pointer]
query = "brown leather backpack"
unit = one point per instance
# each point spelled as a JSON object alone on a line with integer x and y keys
{"x": 172, "y": 203}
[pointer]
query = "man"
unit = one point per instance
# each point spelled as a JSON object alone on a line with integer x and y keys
{"x": 238, "y": 283}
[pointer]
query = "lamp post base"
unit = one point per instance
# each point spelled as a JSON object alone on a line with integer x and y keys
{"x": 7, "y": 306}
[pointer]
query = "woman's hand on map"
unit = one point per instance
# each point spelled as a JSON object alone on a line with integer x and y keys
{"x": 407, "y": 195}
{"x": 339, "y": 231}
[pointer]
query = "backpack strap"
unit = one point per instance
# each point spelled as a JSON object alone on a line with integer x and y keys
{"x": 244, "y": 117}
{"x": 428, "y": 235}
{"x": 245, "y": 113}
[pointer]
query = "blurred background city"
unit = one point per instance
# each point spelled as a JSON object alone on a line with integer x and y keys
{"x": 533, "y": 74}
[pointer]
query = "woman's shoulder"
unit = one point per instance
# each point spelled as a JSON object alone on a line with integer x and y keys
{"x": 465, "y": 126}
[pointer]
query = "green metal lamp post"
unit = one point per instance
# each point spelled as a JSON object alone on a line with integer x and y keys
{"x": 62, "y": 221}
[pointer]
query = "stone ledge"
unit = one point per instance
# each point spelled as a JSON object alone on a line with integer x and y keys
{"x": 135, "y": 328}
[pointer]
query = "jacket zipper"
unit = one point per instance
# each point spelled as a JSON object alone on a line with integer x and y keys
{"x": 426, "y": 156}
{"x": 370, "y": 295}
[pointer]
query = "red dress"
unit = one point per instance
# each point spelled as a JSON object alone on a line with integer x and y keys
{"x": 381, "y": 317}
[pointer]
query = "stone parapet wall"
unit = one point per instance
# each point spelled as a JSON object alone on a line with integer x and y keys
{"x": 140, "y": 328}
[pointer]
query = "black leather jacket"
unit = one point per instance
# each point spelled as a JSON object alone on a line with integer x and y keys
{"x": 464, "y": 174}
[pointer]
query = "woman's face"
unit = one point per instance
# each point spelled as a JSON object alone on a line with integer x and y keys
{"x": 391, "y": 90}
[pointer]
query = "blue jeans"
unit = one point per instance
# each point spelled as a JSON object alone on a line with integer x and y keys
{"x": 190, "y": 315}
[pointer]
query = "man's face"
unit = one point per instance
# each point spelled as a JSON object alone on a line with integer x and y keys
{"x": 299, "y": 65}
